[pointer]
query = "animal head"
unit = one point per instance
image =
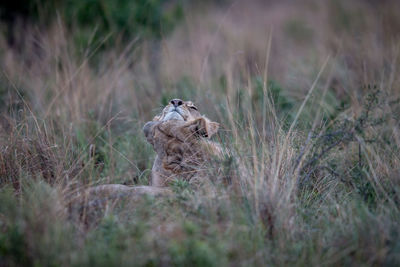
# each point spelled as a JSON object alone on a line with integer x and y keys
{"x": 186, "y": 111}
{"x": 178, "y": 109}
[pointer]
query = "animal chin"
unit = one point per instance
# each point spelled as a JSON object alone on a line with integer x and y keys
{"x": 173, "y": 115}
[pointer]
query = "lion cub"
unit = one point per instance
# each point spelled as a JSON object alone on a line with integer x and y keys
{"x": 179, "y": 136}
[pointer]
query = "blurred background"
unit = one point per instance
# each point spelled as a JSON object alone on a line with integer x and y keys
{"x": 182, "y": 48}
{"x": 79, "y": 78}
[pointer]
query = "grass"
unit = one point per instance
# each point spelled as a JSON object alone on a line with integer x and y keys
{"x": 309, "y": 122}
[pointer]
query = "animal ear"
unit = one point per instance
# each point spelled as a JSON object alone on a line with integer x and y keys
{"x": 212, "y": 128}
{"x": 203, "y": 127}
{"x": 148, "y": 130}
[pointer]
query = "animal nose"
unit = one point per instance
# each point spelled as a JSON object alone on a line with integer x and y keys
{"x": 176, "y": 102}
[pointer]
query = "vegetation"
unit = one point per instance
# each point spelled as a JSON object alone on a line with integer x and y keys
{"x": 308, "y": 98}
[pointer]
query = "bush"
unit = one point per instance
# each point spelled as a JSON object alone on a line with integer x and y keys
{"x": 94, "y": 21}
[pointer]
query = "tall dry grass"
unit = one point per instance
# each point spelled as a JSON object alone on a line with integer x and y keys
{"x": 307, "y": 96}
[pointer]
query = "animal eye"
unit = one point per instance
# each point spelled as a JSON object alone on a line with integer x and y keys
{"x": 193, "y": 107}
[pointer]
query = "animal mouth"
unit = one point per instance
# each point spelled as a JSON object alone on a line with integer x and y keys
{"x": 180, "y": 114}
{"x": 174, "y": 115}
{"x": 177, "y": 111}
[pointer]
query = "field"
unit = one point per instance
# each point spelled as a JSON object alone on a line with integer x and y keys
{"x": 308, "y": 97}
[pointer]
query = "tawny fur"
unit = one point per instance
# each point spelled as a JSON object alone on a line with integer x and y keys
{"x": 182, "y": 145}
